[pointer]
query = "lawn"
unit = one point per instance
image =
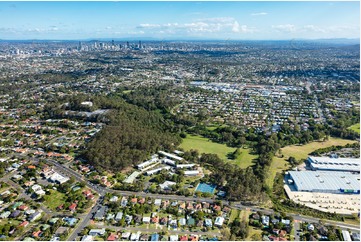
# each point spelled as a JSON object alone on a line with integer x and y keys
{"x": 355, "y": 127}
{"x": 299, "y": 152}
{"x": 204, "y": 145}
{"x": 54, "y": 199}
{"x": 234, "y": 215}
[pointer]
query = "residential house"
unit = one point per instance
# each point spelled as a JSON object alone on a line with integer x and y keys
{"x": 191, "y": 222}
{"x": 70, "y": 221}
{"x": 144, "y": 237}
{"x": 23, "y": 207}
{"x": 157, "y": 202}
{"x": 154, "y": 237}
{"x": 100, "y": 213}
{"x": 72, "y": 207}
{"x": 134, "y": 200}
{"x": 125, "y": 235}
{"x": 112, "y": 237}
{"x": 138, "y": 219}
{"x": 61, "y": 230}
{"x": 155, "y": 219}
{"x": 24, "y": 224}
{"x": 146, "y": 220}
{"x": 113, "y": 199}
{"x": 183, "y": 238}
{"x": 124, "y": 202}
{"x": 110, "y": 216}
{"x": 34, "y": 216}
{"x": 119, "y": 216}
{"x": 97, "y": 232}
{"x": 208, "y": 222}
{"x": 182, "y": 221}
{"x": 173, "y": 237}
{"x": 37, "y": 234}
{"x": 5, "y": 214}
{"x": 286, "y": 221}
{"x": 87, "y": 238}
{"x": 265, "y": 220}
{"x": 163, "y": 221}
{"x": 219, "y": 221}
{"x": 135, "y": 236}
{"x": 128, "y": 219}
{"x": 15, "y": 214}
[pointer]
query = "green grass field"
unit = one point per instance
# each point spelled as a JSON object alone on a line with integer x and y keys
{"x": 234, "y": 215}
{"x": 203, "y": 145}
{"x": 54, "y": 200}
{"x": 300, "y": 152}
{"x": 355, "y": 127}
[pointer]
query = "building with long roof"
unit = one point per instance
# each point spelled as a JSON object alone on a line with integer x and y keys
{"x": 325, "y": 181}
{"x": 334, "y": 164}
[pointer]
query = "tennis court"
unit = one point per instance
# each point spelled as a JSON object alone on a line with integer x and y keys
{"x": 204, "y": 187}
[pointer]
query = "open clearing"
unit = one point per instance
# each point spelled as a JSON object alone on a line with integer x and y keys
{"x": 54, "y": 200}
{"x": 299, "y": 152}
{"x": 204, "y": 145}
{"x": 355, "y": 127}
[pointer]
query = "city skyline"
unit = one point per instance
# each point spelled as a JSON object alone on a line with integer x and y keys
{"x": 179, "y": 20}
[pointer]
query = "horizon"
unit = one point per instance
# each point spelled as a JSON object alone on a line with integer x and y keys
{"x": 179, "y": 20}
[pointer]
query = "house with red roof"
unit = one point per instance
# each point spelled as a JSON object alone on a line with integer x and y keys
{"x": 112, "y": 237}
{"x": 72, "y": 207}
{"x": 24, "y": 224}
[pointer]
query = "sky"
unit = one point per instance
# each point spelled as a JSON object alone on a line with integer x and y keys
{"x": 179, "y": 20}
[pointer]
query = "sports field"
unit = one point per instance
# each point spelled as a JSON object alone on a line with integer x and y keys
{"x": 300, "y": 152}
{"x": 355, "y": 127}
{"x": 206, "y": 188}
{"x": 204, "y": 145}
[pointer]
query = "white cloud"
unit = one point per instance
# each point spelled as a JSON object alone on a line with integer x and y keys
{"x": 288, "y": 28}
{"x": 313, "y": 28}
{"x": 259, "y": 14}
{"x": 199, "y": 26}
{"x": 149, "y": 26}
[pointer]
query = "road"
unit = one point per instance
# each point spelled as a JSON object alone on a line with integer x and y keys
{"x": 147, "y": 230}
{"x": 84, "y": 222}
{"x": 296, "y": 227}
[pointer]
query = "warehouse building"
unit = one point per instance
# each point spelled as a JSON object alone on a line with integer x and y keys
{"x": 334, "y": 164}
{"x": 325, "y": 181}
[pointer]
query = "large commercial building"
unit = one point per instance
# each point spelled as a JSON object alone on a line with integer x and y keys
{"x": 325, "y": 181}
{"x": 334, "y": 164}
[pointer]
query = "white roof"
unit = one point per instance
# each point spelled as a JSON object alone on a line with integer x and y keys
{"x": 87, "y": 238}
{"x": 146, "y": 219}
{"x": 173, "y": 237}
{"x": 195, "y": 172}
{"x": 325, "y": 180}
{"x": 337, "y": 164}
{"x": 169, "y": 155}
{"x": 131, "y": 178}
{"x": 56, "y": 177}
{"x": 219, "y": 221}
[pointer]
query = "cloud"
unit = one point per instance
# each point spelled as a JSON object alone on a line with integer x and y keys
{"x": 149, "y": 26}
{"x": 259, "y": 14}
{"x": 287, "y": 28}
{"x": 205, "y": 25}
{"x": 313, "y": 28}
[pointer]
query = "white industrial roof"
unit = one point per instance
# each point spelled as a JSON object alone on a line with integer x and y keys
{"x": 325, "y": 180}
{"x": 341, "y": 164}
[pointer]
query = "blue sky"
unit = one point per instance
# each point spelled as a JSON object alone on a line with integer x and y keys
{"x": 179, "y": 20}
